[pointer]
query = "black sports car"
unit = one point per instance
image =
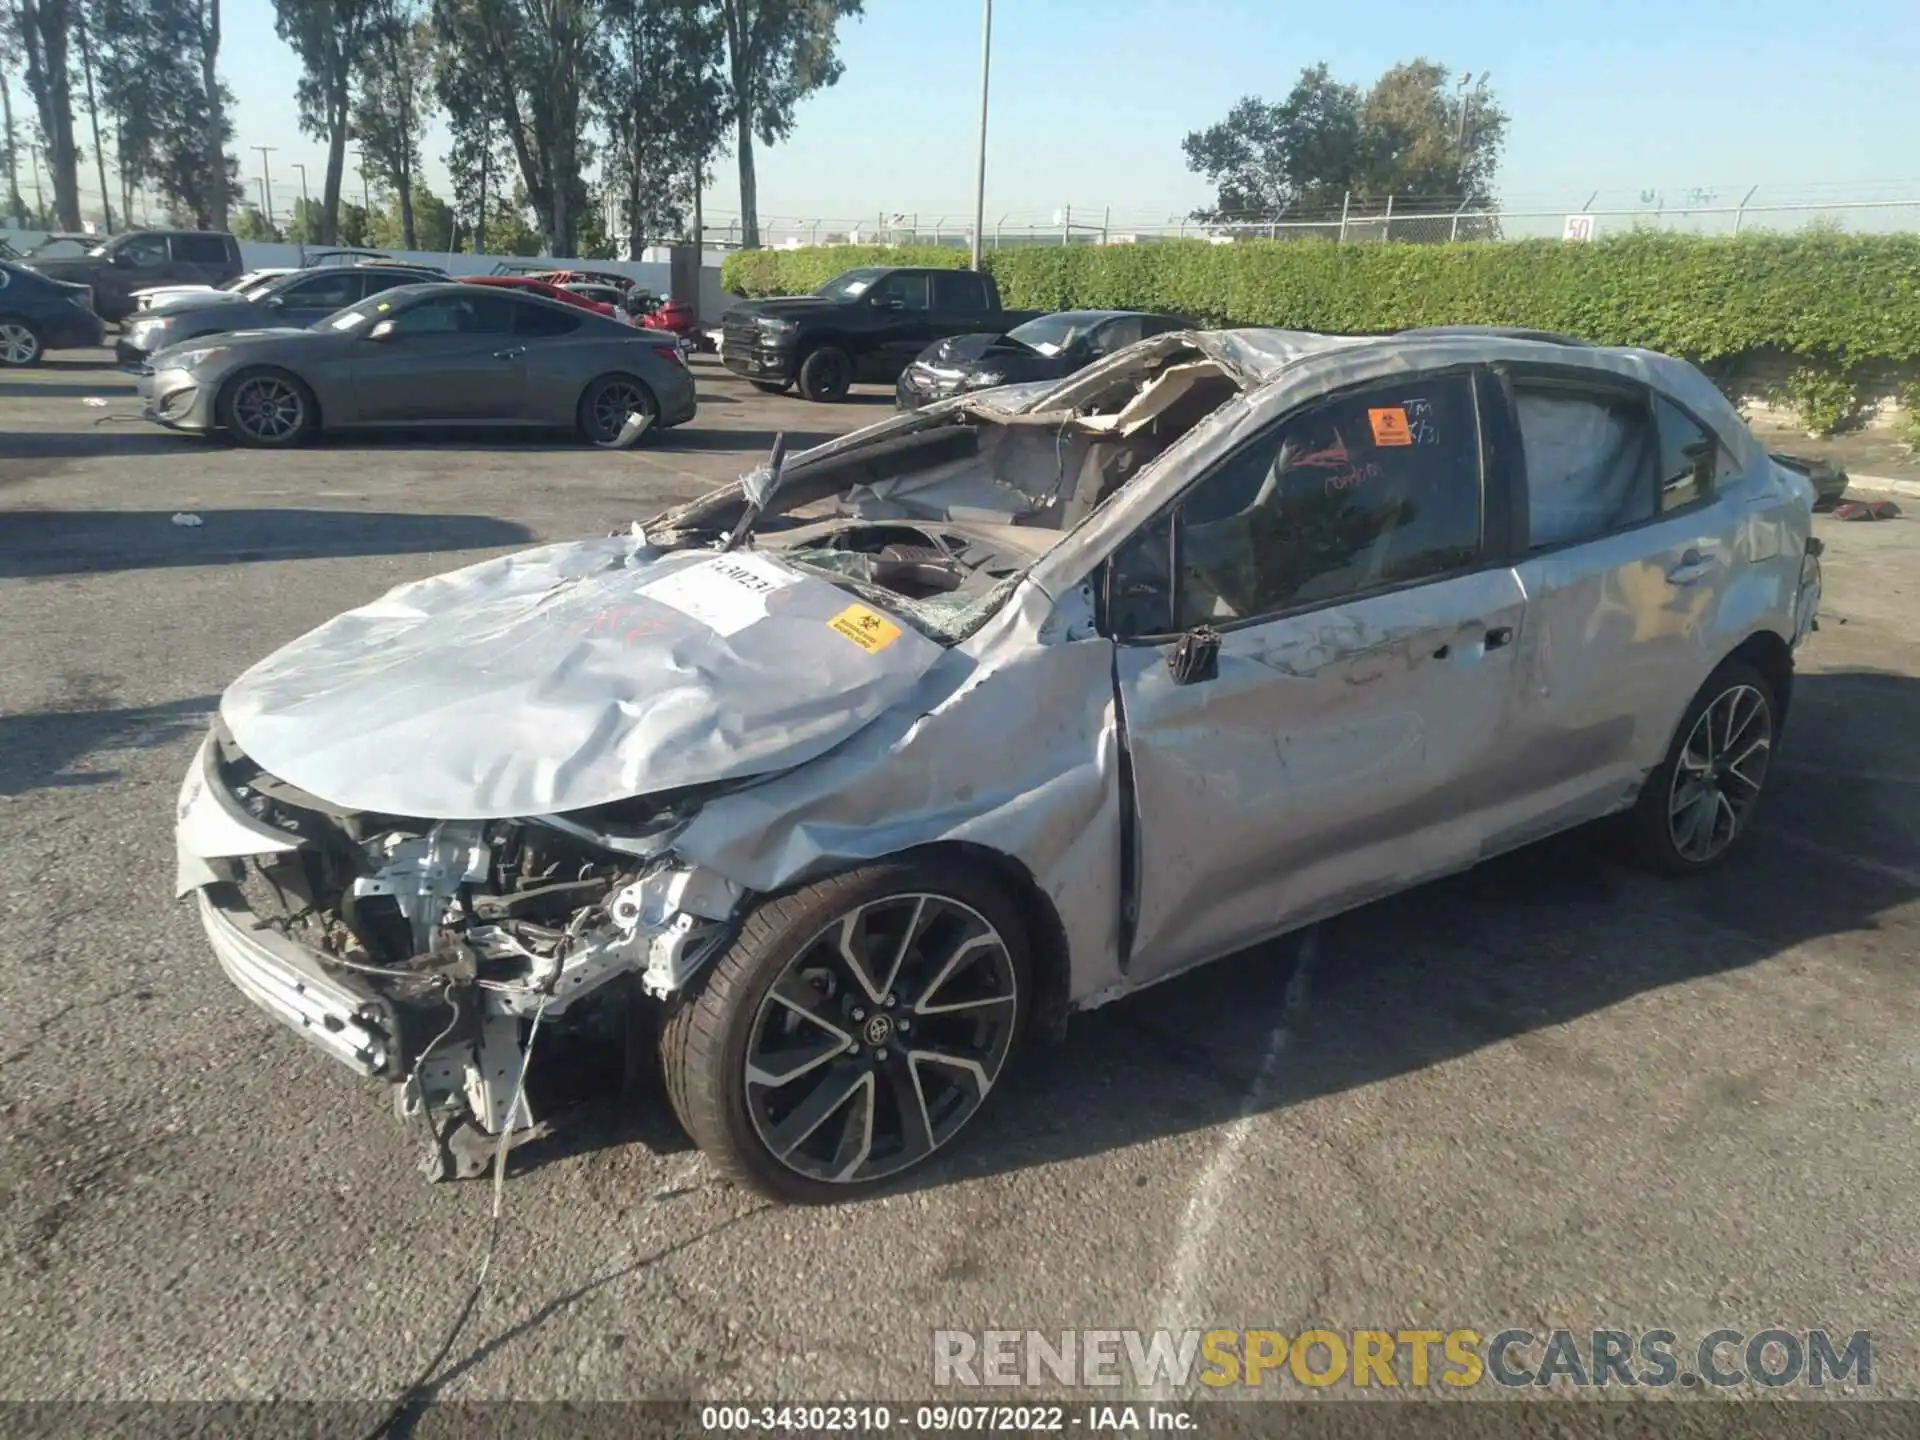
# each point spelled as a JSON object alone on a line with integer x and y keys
{"x": 1043, "y": 349}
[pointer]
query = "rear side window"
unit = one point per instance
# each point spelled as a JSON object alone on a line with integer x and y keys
{"x": 1690, "y": 456}
{"x": 324, "y": 292}
{"x": 378, "y": 280}
{"x": 960, "y": 292}
{"x": 200, "y": 249}
{"x": 1590, "y": 457}
{"x": 543, "y": 320}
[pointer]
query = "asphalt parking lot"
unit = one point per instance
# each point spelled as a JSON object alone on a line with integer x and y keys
{"x": 1549, "y": 1093}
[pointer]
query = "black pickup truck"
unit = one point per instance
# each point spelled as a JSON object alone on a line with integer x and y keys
{"x": 866, "y": 324}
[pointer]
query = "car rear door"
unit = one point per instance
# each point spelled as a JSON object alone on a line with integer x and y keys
{"x": 1348, "y": 736}
{"x": 1627, "y": 552}
{"x": 449, "y": 357}
{"x": 903, "y": 324}
{"x": 199, "y": 259}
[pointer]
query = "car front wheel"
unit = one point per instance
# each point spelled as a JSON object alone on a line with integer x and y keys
{"x": 607, "y": 404}
{"x": 826, "y": 375}
{"x": 1702, "y": 798}
{"x": 19, "y": 342}
{"x": 266, "y": 409}
{"x": 851, "y": 1029}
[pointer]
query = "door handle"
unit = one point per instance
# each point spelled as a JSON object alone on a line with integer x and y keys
{"x": 1498, "y": 636}
{"x": 513, "y": 353}
{"x": 1693, "y": 567}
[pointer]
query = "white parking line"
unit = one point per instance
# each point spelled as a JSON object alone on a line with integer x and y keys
{"x": 1180, "y": 1289}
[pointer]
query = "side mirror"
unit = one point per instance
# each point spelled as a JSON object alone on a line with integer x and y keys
{"x": 381, "y": 331}
{"x": 124, "y": 259}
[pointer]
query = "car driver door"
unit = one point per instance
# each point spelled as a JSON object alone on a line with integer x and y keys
{"x": 445, "y": 358}
{"x": 1314, "y": 664}
{"x": 903, "y": 323}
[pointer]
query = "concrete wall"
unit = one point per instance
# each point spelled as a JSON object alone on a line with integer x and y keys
{"x": 652, "y": 270}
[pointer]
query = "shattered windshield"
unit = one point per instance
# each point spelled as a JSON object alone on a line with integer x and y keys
{"x": 850, "y": 286}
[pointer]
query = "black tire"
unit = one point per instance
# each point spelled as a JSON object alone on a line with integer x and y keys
{"x": 267, "y": 408}
{"x": 826, "y": 375}
{"x": 944, "y": 907}
{"x": 1674, "y": 833}
{"x": 20, "y": 342}
{"x": 605, "y": 405}
{"x": 771, "y": 387}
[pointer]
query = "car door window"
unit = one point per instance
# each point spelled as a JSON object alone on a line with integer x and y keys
{"x": 1373, "y": 489}
{"x": 200, "y": 249}
{"x": 377, "y": 280}
{"x": 1590, "y": 455}
{"x": 543, "y": 321}
{"x": 960, "y": 293}
{"x": 909, "y": 290}
{"x": 323, "y": 292}
{"x": 143, "y": 250}
{"x": 1115, "y": 334}
{"x": 455, "y": 315}
{"x": 1691, "y": 457}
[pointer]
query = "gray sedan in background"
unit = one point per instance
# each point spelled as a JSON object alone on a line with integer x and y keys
{"x": 440, "y": 354}
{"x": 299, "y": 297}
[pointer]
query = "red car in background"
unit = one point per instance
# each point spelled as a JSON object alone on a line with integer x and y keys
{"x": 677, "y": 318}
{"x": 542, "y": 287}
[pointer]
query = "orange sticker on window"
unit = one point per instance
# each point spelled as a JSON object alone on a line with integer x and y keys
{"x": 1390, "y": 426}
{"x": 868, "y": 629}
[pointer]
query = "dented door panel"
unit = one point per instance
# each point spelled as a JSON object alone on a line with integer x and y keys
{"x": 1337, "y": 756}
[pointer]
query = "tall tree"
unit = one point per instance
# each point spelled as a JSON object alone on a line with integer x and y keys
{"x": 663, "y": 94}
{"x": 44, "y": 28}
{"x": 475, "y": 154}
{"x": 538, "y": 57}
{"x": 203, "y": 25}
{"x": 394, "y": 98}
{"x": 93, "y": 120}
{"x": 1406, "y": 137}
{"x": 330, "y": 37}
{"x": 13, "y": 203}
{"x": 778, "y": 53}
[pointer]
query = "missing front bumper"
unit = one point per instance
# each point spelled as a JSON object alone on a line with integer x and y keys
{"x": 286, "y": 980}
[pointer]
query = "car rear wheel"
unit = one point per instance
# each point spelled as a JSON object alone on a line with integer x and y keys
{"x": 607, "y": 403}
{"x": 826, "y": 375}
{"x": 851, "y": 1029}
{"x": 267, "y": 409}
{"x": 771, "y": 387}
{"x": 19, "y": 342}
{"x": 1702, "y": 798}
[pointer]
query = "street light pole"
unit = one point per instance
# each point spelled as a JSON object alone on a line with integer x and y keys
{"x": 266, "y": 179}
{"x": 306, "y": 207}
{"x": 980, "y": 174}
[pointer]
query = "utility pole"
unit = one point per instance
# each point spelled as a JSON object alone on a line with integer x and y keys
{"x": 486, "y": 147}
{"x": 306, "y": 205}
{"x": 266, "y": 179}
{"x": 980, "y": 172}
{"x": 1460, "y": 143}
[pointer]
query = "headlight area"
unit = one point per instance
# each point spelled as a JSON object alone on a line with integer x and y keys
{"x": 416, "y": 951}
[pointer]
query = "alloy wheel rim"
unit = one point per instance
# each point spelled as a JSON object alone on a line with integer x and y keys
{"x": 613, "y": 404}
{"x": 1723, "y": 765}
{"x": 880, "y": 1038}
{"x": 18, "y": 344}
{"x": 267, "y": 409}
{"x": 837, "y": 373}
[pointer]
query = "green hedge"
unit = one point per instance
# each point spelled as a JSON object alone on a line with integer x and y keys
{"x": 1838, "y": 299}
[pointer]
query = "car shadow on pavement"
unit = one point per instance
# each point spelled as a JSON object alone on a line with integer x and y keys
{"x": 1521, "y": 944}
{"x": 53, "y": 749}
{"x": 38, "y": 543}
{"x": 71, "y": 389}
{"x": 108, "y": 440}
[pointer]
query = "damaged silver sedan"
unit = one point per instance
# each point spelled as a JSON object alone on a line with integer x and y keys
{"x": 859, "y": 771}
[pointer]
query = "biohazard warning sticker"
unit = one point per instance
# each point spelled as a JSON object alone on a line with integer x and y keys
{"x": 868, "y": 629}
{"x": 1390, "y": 426}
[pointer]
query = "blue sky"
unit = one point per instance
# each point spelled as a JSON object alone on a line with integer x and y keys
{"x": 1090, "y": 99}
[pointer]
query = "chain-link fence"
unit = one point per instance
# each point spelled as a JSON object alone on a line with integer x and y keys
{"x": 1425, "y": 220}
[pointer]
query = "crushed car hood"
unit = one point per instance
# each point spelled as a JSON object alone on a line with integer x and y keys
{"x": 960, "y": 348}
{"x": 569, "y": 676}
